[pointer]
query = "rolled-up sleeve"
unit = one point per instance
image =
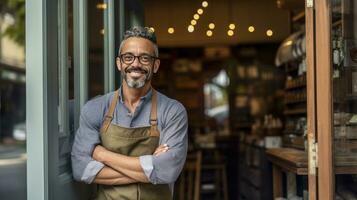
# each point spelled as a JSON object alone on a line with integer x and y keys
{"x": 166, "y": 167}
{"x": 84, "y": 167}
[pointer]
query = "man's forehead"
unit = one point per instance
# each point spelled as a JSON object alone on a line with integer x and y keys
{"x": 137, "y": 42}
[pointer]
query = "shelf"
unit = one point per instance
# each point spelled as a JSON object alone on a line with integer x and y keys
{"x": 295, "y": 102}
{"x": 351, "y": 97}
{"x": 299, "y": 16}
{"x": 297, "y": 111}
{"x": 337, "y": 23}
{"x": 295, "y": 161}
{"x": 296, "y": 87}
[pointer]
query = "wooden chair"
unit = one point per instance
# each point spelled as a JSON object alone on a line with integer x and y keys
{"x": 189, "y": 182}
{"x": 215, "y": 165}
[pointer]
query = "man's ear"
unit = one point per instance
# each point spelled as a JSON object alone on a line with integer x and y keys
{"x": 118, "y": 63}
{"x": 156, "y": 65}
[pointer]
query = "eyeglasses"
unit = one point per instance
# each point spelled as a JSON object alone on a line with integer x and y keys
{"x": 144, "y": 59}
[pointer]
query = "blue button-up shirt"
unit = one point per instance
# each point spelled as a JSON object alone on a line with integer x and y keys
{"x": 172, "y": 124}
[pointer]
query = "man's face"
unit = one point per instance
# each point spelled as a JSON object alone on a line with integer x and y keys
{"x": 137, "y": 71}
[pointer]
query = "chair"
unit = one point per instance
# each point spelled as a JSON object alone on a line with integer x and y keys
{"x": 190, "y": 178}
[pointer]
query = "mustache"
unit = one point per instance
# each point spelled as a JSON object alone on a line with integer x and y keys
{"x": 136, "y": 69}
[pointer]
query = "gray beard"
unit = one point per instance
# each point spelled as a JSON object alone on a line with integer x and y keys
{"x": 136, "y": 83}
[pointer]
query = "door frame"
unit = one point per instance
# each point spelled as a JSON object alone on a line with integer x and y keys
{"x": 320, "y": 96}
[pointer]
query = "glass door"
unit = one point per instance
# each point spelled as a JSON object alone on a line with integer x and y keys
{"x": 343, "y": 31}
{"x": 333, "y": 99}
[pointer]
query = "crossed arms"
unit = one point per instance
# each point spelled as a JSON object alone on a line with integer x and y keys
{"x": 120, "y": 169}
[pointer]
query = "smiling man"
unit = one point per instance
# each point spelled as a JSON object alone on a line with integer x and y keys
{"x": 132, "y": 142}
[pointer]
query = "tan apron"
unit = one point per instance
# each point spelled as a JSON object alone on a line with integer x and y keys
{"x": 132, "y": 142}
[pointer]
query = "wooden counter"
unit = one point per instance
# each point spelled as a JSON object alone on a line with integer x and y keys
{"x": 290, "y": 160}
{"x": 295, "y": 161}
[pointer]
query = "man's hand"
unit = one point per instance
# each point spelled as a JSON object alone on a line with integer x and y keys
{"x": 99, "y": 152}
{"x": 161, "y": 149}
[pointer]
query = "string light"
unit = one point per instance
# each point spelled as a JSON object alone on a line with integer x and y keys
{"x": 152, "y": 29}
{"x": 269, "y": 33}
{"x": 200, "y": 11}
{"x": 193, "y": 22}
{"x": 232, "y": 26}
{"x": 102, "y": 6}
{"x": 211, "y": 25}
{"x": 204, "y": 4}
{"x": 190, "y": 28}
{"x": 196, "y": 16}
{"x": 230, "y": 32}
{"x": 251, "y": 29}
{"x": 209, "y": 33}
{"x": 171, "y": 30}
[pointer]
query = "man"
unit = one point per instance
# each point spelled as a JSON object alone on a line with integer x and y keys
{"x": 117, "y": 142}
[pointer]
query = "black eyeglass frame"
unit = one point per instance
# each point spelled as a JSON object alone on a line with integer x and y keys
{"x": 153, "y": 58}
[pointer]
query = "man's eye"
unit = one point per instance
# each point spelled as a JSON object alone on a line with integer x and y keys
{"x": 145, "y": 58}
{"x": 128, "y": 57}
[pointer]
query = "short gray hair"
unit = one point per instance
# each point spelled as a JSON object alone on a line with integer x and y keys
{"x": 141, "y": 32}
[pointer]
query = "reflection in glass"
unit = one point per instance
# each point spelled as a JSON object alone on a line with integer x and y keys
{"x": 344, "y": 59}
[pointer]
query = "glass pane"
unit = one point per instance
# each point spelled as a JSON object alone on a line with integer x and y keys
{"x": 96, "y": 47}
{"x": 12, "y": 101}
{"x": 344, "y": 59}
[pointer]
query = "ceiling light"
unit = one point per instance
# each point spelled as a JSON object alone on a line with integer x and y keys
{"x": 211, "y": 26}
{"x": 200, "y": 11}
{"x": 232, "y": 26}
{"x": 102, "y": 6}
{"x": 269, "y": 33}
{"x": 230, "y": 32}
{"x": 209, "y": 33}
{"x": 193, "y": 22}
{"x": 191, "y": 28}
{"x": 171, "y": 30}
{"x": 196, "y": 16}
{"x": 204, "y": 4}
{"x": 251, "y": 29}
{"x": 152, "y": 29}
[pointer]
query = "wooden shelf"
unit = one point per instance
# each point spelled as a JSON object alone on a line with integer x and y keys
{"x": 295, "y": 161}
{"x": 295, "y": 102}
{"x": 298, "y": 111}
{"x": 299, "y": 17}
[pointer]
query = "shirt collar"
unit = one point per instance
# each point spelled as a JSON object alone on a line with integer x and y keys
{"x": 143, "y": 98}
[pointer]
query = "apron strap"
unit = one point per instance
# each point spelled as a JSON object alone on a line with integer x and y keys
{"x": 153, "y": 115}
{"x": 109, "y": 115}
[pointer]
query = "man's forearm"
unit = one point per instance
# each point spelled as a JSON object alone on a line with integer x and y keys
{"x": 129, "y": 166}
{"x": 109, "y": 176}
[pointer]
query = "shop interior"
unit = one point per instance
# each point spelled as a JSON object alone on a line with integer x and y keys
{"x": 239, "y": 68}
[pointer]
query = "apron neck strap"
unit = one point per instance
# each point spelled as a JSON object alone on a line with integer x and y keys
{"x": 109, "y": 116}
{"x": 153, "y": 112}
